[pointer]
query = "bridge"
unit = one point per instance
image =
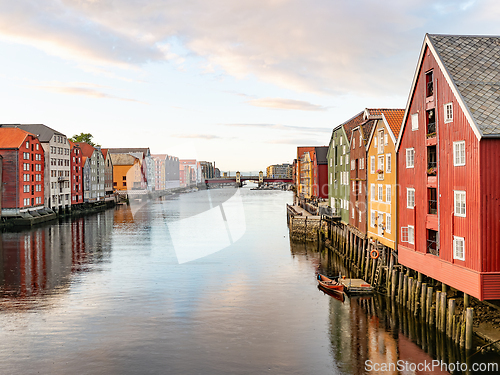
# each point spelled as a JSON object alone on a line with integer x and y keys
{"x": 238, "y": 179}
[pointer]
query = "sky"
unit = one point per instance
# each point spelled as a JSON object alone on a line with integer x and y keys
{"x": 240, "y": 83}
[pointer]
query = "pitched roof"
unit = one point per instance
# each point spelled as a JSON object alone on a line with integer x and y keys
{"x": 87, "y": 150}
{"x": 352, "y": 123}
{"x": 321, "y": 153}
{"x": 123, "y": 159}
{"x": 43, "y": 132}
{"x": 12, "y": 137}
{"x": 393, "y": 117}
{"x": 144, "y": 151}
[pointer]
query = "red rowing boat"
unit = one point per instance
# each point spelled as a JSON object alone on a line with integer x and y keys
{"x": 332, "y": 285}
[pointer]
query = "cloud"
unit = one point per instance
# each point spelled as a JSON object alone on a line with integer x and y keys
{"x": 197, "y": 136}
{"x": 334, "y": 47}
{"x": 295, "y": 141}
{"x": 284, "y": 127}
{"x": 279, "y": 103}
{"x": 84, "y": 89}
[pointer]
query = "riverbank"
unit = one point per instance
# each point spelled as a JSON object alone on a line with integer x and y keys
{"x": 445, "y": 309}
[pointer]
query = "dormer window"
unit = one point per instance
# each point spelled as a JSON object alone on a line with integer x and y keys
{"x": 429, "y": 84}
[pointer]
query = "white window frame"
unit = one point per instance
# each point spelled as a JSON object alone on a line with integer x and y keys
{"x": 380, "y": 166}
{"x": 460, "y": 198}
{"x": 380, "y": 193}
{"x": 388, "y": 193}
{"x": 388, "y": 160}
{"x": 448, "y": 112}
{"x": 458, "y": 244}
{"x": 352, "y": 213}
{"x": 411, "y": 234}
{"x": 410, "y": 203}
{"x": 459, "y": 153}
{"x": 353, "y": 142}
{"x": 404, "y": 234}
{"x": 386, "y": 139}
{"x": 388, "y": 223}
{"x": 372, "y": 164}
{"x": 373, "y": 215}
{"x": 410, "y": 158}
{"x": 414, "y": 121}
{"x": 372, "y": 193}
{"x": 360, "y": 139}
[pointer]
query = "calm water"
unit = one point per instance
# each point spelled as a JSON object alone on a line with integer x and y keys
{"x": 126, "y": 292}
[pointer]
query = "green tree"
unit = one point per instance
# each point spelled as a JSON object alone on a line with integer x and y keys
{"x": 83, "y": 137}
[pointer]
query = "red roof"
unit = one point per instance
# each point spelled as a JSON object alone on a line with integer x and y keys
{"x": 394, "y": 118}
{"x": 87, "y": 150}
{"x": 12, "y": 137}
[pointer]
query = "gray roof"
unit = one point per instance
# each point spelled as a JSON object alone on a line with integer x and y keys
{"x": 43, "y": 132}
{"x": 122, "y": 159}
{"x": 321, "y": 153}
{"x": 473, "y": 63}
{"x": 144, "y": 151}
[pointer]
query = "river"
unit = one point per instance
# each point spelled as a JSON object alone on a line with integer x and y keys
{"x": 128, "y": 291}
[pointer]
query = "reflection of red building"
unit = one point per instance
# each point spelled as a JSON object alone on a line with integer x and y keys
{"x": 76, "y": 174}
{"x": 23, "y": 172}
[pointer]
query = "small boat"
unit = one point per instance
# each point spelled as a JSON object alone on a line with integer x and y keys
{"x": 330, "y": 284}
{"x": 333, "y": 293}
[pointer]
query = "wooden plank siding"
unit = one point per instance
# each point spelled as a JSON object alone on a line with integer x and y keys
{"x": 358, "y": 191}
{"x": 480, "y": 228}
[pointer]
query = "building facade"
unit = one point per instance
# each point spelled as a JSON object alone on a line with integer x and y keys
{"x": 160, "y": 178}
{"x": 448, "y": 154}
{"x": 22, "y": 172}
{"x": 94, "y": 174}
{"x": 172, "y": 179}
{"x": 76, "y": 175}
{"x": 338, "y": 167}
{"x": 381, "y": 175}
{"x": 108, "y": 174}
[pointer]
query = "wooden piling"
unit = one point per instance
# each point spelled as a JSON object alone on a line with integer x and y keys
{"x": 432, "y": 316}
{"x": 450, "y": 320}
{"x": 416, "y": 303}
{"x": 466, "y": 300}
{"x": 405, "y": 290}
{"x": 430, "y": 291}
{"x": 469, "y": 317}
{"x": 442, "y": 306}
{"x": 423, "y": 302}
{"x": 438, "y": 308}
{"x": 394, "y": 284}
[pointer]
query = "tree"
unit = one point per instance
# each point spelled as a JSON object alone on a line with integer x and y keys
{"x": 83, "y": 137}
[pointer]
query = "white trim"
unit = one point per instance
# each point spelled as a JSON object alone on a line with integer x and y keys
{"x": 459, "y": 194}
{"x": 388, "y": 193}
{"x": 414, "y": 121}
{"x": 411, "y": 234}
{"x": 388, "y": 162}
{"x": 456, "y": 241}
{"x": 373, "y": 193}
{"x": 455, "y": 145}
{"x": 408, "y": 202}
{"x": 445, "y": 110}
{"x": 388, "y": 222}
{"x": 412, "y": 150}
{"x": 450, "y": 82}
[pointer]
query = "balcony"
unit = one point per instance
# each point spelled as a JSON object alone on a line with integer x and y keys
{"x": 432, "y": 201}
{"x": 62, "y": 179}
{"x": 432, "y": 242}
{"x": 380, "y": 174}
{"x": 431, "y": 124}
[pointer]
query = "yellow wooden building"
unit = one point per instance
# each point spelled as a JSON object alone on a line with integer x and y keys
{"x": 381, "y": 180}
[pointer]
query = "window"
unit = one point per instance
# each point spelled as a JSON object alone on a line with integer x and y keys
{"x": 381, "y": 142}
{"x": 410, "y": 198}
{"x": 360, "y": 140}
{"x": 375, "y": 140}
{"x": 346, "y": 159}
{"x": 331, "y": 161}
{"x": 448, "y": 112}
{"x": 331, "y": 178}
{"x": 354, "y": 186}
{"x": 411, "y": 234}
{"x": 362, "y": 163}
{"x": 373, "y": 218}
{"x": 388, "y": 193}
{"x": 353, "y": 164}
{"x": 414, "y": 121}
{"x": 380, "y": 169}
{"x": 26, "y": 188}
{"x": 410, "y": 157}
{"x": 388, "y": 168}
{"x": 388, "y": 223}
{"x": 459, "y": 153}
{"x": 359, "y": 216}
{"x": 429, "y": 84}
{"x": 372, "y": 192}
{"x": 372, "y": 164}
{"x": 381, "y": 193}
{"x": 386, "y": 139}
{"x": 352, "y": 213}
{"x": 343, "y": 150}
{"x": 341, "y": 160}
{"x": 341, "y": 141}
{"x": 36, "y": 146}
{"x": 458, "y": 248}
{"x": 27, "y": 144}
{"x": 460, "y": 203}
{"x": 353, "y": 142}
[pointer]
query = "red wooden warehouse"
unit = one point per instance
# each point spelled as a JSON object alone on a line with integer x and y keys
{"x": 22, "y": 173}
{"x": 448, "y": 158}
{"x": 76, "y": 173}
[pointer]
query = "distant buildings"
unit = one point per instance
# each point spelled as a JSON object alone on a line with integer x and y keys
{"x": 279, "y": 171}
{"x": 23, "y": 160}
{"x": 312, "y": 172}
